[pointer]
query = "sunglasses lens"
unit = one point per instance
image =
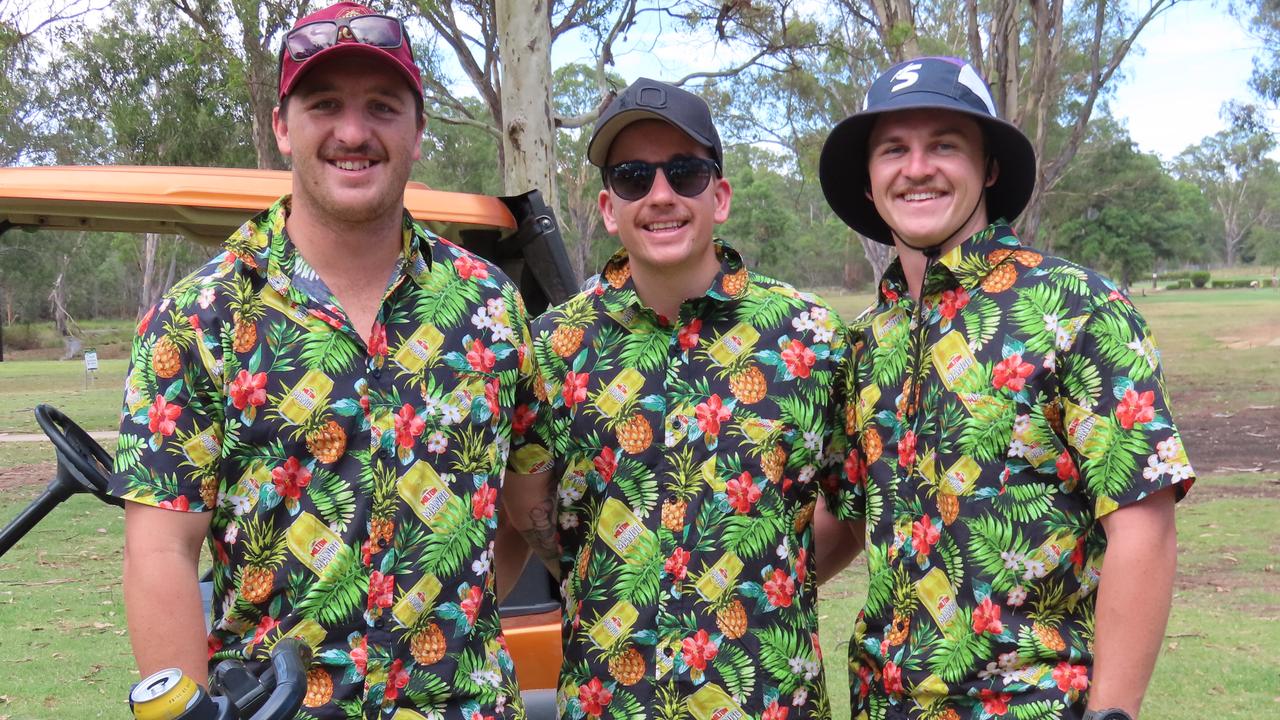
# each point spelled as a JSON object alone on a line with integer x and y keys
{"x": 377, "y": 30}
{"x": 310, "y": 39}
{"x": 688, "y": 176}
{"x": 632, "y": 180}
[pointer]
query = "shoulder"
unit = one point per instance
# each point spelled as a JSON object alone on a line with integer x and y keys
{"x": 466, "y": 264}
{"x": 1080, "y": 288}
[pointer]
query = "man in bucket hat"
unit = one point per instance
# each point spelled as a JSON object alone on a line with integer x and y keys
{"x": 677, "y": 446}
{"x": 1020, "y": 464}
{"x": 303, "y": 403}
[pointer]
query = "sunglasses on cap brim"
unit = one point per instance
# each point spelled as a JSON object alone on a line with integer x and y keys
{"x": 380, "y": 31}
{"x": 688, "y": 176}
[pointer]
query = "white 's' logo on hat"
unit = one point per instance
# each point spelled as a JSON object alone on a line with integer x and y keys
{"x": 906, "y": 77}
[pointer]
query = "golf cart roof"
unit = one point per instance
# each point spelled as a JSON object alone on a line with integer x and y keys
{"x": 204, "y": 204}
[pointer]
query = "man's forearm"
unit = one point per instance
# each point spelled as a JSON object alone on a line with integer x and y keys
{"x": 530, "y": 502}
{"x": 1133, "y": 603}
{"x": 165, "y": 614}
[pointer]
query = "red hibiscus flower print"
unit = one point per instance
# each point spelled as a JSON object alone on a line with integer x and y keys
{"x": 907, "y": 449}
{"x": 471, "y": 604}
{"x": 924, "y": 535}
{"x": 1136, "y": 408}
{"x": 523, "y": 419}
{"x": 688, "y": 335}
{"x": 986, "y": 618}
{"x": 248, "y": 390}
{"x": 855, "y": 469}
{"x": 382, "y": 590}
{"x": 491, "y": 395}
{"x": 892, "y": 678}
{"x": 699, "y": 650}
{"x": 1071, "y": 677}
{"x": 575, "y": 388}
{"x": 360, "y": 654}
{"x": 802, "y": 560}
{"x": 742, "y": 493}
{"x": 775, "y": 712}
{"x": 408, "y": 426}
{"x": 780, "y": 589}
{"x": 290, "y": 478}
{"x": 594, "y": 697}
{"x": 1066, "y": 467}
{"x": 952, "y": 302}
{"x": 1011, "y": 373}
{"x": 162, "y": 416}
{"x": 146, "y": 321}
{"x": 994, "y": 703}
{"x": 677, "y": 565}
{"x": 482, "y": 503}
{"x": 397, "y": 678}
{"x": 480, "y": 357}
{"x": 468, "y": 268}
{"x": 180, "y": 503}
{"x": 606, "y": 463}
{"x": 710, "y": 414}
{"x": 378, "y": 340}
{"x": 799, "y": 359}
{"x": 265, "y": 626}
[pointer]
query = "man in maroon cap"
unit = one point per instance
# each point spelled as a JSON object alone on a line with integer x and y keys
{"x": 328, "y": 404}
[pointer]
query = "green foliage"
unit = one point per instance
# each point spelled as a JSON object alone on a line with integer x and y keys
{"x": 1200, "y": 278}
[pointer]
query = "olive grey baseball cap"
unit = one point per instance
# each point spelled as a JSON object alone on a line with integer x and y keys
{"x": 647, "y": 99}
{"x": 943, "y": 83}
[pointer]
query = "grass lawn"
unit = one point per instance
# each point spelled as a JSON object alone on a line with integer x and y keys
{"x": 64, "y": 652}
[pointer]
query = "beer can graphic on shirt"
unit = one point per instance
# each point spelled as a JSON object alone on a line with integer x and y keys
{"x": 711, "y": 702}
{"x": 313, "y": 543}
{"x": 429, "y": 497}
{"x": 954, "y": 361}
{"x": 939, "y": 598}
{"x": 296, "y": 313}
{"x": 960, "y": 478}
{"x": 930, "y": 690}
{"x": 1086, "y": 432}
{"x": 719, "y": 578}
{"x": 311, "y": 392}
{"x": 711, "y": 475}
{"x": 885, "y": 326}
{"x": 416, "y": 600}
{"x": 202, "y": 447}
{"x": 740, "y": 339}
{"x": 1054, "y": 551}
{"x": 1036, "y": 449}
{"x": 614, "y": 625}
{"x": 419, "y": 348}
{"x": 624, "y": 386}
{"x": 624, "y": 532}
{"x": 865, "y": 405}
{"x": 310, "y": 632}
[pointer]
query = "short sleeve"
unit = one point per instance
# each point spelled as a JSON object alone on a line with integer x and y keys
{"x": 1117, "y": 423}
{"x": 169, "y": 449}
{"x": 846, "y": 484}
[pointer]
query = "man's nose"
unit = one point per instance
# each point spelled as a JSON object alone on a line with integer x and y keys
{"x": 919, "y": 164}
{"x": 661, "y": 191}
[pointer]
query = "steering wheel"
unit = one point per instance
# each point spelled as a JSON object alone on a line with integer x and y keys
{"x": 80, "y": 458}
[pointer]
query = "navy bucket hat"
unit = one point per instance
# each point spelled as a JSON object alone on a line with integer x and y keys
{"x": 942, "y": 83}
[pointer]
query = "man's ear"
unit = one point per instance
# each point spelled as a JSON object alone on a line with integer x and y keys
{"x": 606, "y": 212}
{"x": 993, "y": 170}
{"x": 280, "y": 126}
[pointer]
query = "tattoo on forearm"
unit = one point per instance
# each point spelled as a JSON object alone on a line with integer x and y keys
{"x": 541, "y": 534}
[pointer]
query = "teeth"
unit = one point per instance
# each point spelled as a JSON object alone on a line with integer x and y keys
{"x": 921, "y": 196}
{"x": 663, "y": 226}
{"x": 352, "y": 164}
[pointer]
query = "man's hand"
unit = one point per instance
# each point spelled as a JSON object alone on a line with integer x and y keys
{"x": 530, "y": 502}
{"x": 835, "y": 542}
{"x": 162, "y": 589}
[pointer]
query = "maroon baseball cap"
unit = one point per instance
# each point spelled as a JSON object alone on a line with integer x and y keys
{"x": 346, "y": 28}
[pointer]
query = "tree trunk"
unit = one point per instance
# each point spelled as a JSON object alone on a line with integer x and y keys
{"x": 878, "y": 254}
{"x": 528, "y": 136}
{"x": 147, "y": 268}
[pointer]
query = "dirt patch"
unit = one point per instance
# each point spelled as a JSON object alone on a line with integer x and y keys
{"x": 1261, "y": 335}
{"x": 1243, "y": 441}
{"x": 27, "y": 476}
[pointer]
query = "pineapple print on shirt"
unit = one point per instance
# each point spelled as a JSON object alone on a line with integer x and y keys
{"x": 352, "y": 482}
{"x": 690, "y": 455}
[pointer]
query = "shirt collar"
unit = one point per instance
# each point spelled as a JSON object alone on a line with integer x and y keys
{"x": 731, "y": 264}
{"x": 965, "y": 265}
{"x": 263, "y": 245}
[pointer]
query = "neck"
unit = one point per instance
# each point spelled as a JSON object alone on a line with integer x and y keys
{"x": 664, "y": 289}
{"x": 915, "y": 259}
{"x": 339, "y": 249}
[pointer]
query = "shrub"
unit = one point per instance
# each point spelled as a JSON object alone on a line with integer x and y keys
{"x": 1200, "y": 278}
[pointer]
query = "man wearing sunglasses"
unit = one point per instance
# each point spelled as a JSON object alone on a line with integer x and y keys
{"x": 677, "y": 443}
{"x": 328, "y": 403}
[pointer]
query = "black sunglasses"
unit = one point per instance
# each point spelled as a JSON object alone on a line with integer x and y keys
{"x": 688, "y": 176}
{"x": 381, "y": 31}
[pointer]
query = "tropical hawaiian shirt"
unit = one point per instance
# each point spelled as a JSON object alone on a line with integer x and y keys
{"x": 689, "y": 453}
{"x": 352, "y": 485}
{"x": 999, "y": 419}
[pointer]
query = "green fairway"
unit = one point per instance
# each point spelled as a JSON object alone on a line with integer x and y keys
{"x": 64, "y": 652}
